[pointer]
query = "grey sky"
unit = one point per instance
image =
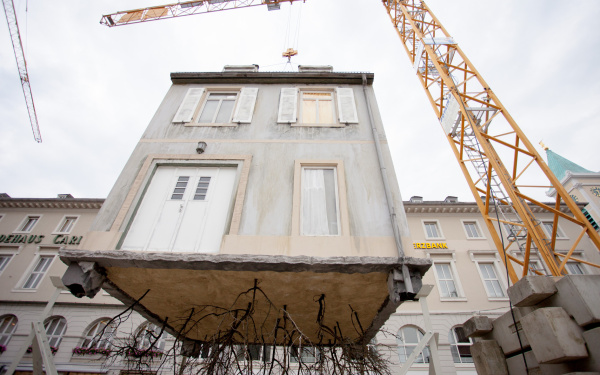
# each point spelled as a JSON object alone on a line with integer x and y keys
{"x": 96, "y": 88}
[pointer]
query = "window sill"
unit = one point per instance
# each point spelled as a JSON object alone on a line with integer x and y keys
{"x": 435, "y": 238}
{"x": 227, "y": 124}
{"x": 498, "y": 299}
{"x": 298, "y": 125}
{"x": 476, "y": 238}
{"x": 24, "y": 290}
{"x": 453, "y": 299}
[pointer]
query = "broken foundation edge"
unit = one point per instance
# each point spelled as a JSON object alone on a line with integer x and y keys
{"x": 85, "y": 276}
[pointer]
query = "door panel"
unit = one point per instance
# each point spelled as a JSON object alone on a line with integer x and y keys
{"x": 166, "y": 222}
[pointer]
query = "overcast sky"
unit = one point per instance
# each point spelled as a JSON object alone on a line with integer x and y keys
{"x": 96, "y": 88}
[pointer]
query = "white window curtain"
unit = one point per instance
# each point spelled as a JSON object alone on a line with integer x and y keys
{"x": 319, "y": 202}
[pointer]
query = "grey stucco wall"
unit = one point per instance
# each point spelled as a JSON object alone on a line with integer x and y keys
{"x": 274, "y": 147}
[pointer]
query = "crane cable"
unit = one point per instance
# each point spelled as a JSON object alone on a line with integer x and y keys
{"x": 290, "y": 43}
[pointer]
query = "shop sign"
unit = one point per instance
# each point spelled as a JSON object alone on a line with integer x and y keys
{"x": 430, "y": 245}
{"x": 59, "y": 239}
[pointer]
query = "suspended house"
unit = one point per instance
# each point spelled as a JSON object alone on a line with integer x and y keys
{"x": 261, "y": 194}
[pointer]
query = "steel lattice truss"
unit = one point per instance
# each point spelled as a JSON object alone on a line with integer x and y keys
{"x": 500, "y": 164}
{"x": 186, "y": 8}
{"x": 15, "y": 37}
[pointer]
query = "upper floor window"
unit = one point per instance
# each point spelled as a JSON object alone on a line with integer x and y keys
{"x": 55, "y": 329}
{"x": 317, "y": 106}
{"x": 28, "y": 223}
{"x": 254, "y": 352}
{"x": 491, "y": 281}
{"x": 408, "y": 339}
{"x": 67, "y": 224}
{"x": 217, "y": 106}
{"x": 37, "y": 273}
{"x": 99, "y": 335}
{"x": 460, "y": 345}
{"x": 8, "y": 325}
{"x": 320, "y": 204}
{"x": 472, "y": 229}
{"x": 149, "y": 336}
{"x": 535, "y": 266}
{"x": 304, "y": 354}
{"x": 574, "y": 268}
{"x": 549, "y": 225}
{"x": 432, "y": 229}
{"x": 446, "y": 281}
{"x": 4, "y": 259}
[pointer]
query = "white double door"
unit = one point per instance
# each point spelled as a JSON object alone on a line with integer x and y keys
{"x": 184, "y": 210}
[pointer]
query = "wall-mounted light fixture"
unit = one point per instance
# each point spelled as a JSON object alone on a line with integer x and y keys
{"x": 201, "y": 147}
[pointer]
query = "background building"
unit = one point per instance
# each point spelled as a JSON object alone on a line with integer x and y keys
{"x": 469, "y": 279}
{"x": 582, "y": 184}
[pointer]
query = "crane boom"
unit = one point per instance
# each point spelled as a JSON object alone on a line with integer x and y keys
{"x": 500, "y": 164}
{"x": 494, "y": 154}
{"x": 15, "y": 37}
{"x": 187, "y": 8}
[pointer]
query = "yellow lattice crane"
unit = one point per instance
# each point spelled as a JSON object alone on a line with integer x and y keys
{"x": 499, "y": 163}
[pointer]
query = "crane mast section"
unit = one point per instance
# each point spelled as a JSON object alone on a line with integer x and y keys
{"x": 187, "y": 8}
{"x": 500, "y": 164}
{"x": 15, "y": 37}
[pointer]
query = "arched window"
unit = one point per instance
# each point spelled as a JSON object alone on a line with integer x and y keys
{"x": 8, "y": 325}
{"x": 148, "y": 334}
{"x": 408, "y": 339}
{"x": 99, "y": 335}
{"x": 460, "y": 345}
{"x": 55, "y": 329}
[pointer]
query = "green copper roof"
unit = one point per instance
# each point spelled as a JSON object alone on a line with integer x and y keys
{"x": 560, "y": 165}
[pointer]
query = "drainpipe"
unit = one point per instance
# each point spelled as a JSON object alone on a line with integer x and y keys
{"x": 384, "y": 175}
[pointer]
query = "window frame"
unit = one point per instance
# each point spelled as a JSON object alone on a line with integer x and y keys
{"x": 449, "y": 258}
{"x": 9, "y": 253}
{"x": 62, "y": 223}
{"x": 304, "y": 353}
{"x": 539, "y": 267}
{"x": 21, "y": 228}
{"x": 579, "y": 265}
{"x": 91, "y": 340}
{"x": 490, "y": 257}
{"x": 453, "y": 339}
{"x": 5, "y": 335}
{"x": 402, "y": 344}
{"x": 301, "y": 105}
{"x": 478, "y": 228}
{"x": 303, "y": 230}
{"x": 243, "y": 353}
{"x": 206, "y": 98}
{"x": 143, "y": 333}
{"x": 438, "y": 227}
{"x": 343, "y": 220}
{"x": 53, "y": 336}
{"x": 41, "y": 253}
{"x": 560, "y": 234}
{"x": 344, "y": 106}
{"x": 196, "y": 98}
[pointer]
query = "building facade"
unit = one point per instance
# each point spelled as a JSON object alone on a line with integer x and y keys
{"x": 31, "y": 233}
{"x": 279, "y": 183}
{"x": 469, "y": 279}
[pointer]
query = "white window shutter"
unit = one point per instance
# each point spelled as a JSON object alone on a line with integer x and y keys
{"x": 245, "y": 107}
{"x": 288, "y": 105}
{"x": 188, "y": 106}
{"x": 346, "y": 106}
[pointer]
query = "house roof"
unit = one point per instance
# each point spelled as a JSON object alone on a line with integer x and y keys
{"x": 560, "y": 165}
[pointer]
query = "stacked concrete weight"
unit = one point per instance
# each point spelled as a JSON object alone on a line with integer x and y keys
{"x": 558, "y": 324}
